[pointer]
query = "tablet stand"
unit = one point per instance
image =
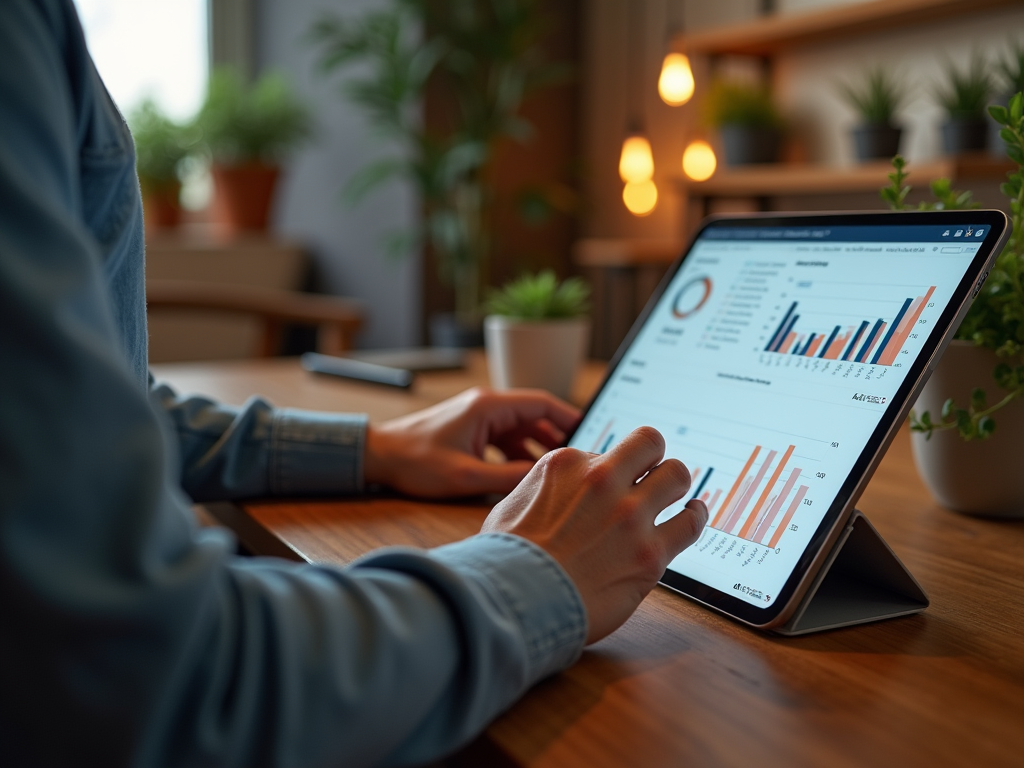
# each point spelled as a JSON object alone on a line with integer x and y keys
{"x": 862, "y": 580}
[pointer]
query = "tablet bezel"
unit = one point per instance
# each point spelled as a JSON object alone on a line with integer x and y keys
{"x": 842, "y": 507}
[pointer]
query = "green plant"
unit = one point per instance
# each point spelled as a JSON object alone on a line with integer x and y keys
{"x": 242, "y": 124}
{"x": 1010, "y": 69}
{"x": 996, "y": 318}
{"x": 541, "y": 297}
{"x": 965, "y": 93}
{"x": 735, "y": 103}
{"x": 161, "y": 144}
{"x": 480, "y": 59}
{"x": 879, "y": 97}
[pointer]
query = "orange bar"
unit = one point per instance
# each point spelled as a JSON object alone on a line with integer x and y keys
{"x": 838, "y": 345}
{"x": 749, "y": 525}
{"x": 903, "y": 331}
{"x": 741, "y": 505}
{"x": 787, "y": 343}
{"x": 732, "y": 491}
{"x": 769, "y": 518}
{"x": 813, "y": 350}
{"x": 874, "y": 341}
{"x": 711, "y": 503}
{"x": 787, "y": 517}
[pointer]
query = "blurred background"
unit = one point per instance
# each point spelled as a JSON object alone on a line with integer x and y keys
{"x": 403, "y": 156}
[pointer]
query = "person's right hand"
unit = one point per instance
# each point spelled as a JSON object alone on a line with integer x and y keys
{"x": 595, "y": 516}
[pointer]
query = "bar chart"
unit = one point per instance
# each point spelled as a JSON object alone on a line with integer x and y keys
{"x": 876, "y": 342}
{"x": 758, "y": 495}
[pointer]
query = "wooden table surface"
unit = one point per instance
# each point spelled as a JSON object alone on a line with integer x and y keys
{"x": 678, "y": 685}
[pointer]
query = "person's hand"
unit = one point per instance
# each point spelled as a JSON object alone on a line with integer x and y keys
{"x": 595, "y": 516}
{"x": 439, "y": 451}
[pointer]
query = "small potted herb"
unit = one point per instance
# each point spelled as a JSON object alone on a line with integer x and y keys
{"x": 746, "y": 119}
{"x": 877, "y": 100}
{"x": 160, "y": 146}
{"x": 968, "y": 424}
{"x": 248, "y": 130}
{"x": 964, "y": 97}
{"x": 537, "y": 332}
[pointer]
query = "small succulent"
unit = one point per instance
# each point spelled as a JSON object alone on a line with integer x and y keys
{"x": 878, "y": 98}
{"x": 541, "y": 297}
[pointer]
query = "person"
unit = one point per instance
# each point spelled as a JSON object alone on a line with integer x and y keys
{"x": 130, "y": 637}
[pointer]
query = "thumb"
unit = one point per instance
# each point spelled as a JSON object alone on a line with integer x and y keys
{"x": 496, "y": 478}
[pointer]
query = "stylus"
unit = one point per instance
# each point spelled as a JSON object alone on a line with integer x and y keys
{"x": 357, "y": 369}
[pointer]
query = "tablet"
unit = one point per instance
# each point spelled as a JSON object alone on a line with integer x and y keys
{"x": 778, "y": 358}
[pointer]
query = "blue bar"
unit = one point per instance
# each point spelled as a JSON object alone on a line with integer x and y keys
{"x": 779, "y": 335}
{"x": 827, "y": 344}
{"x": 696, "y": 494}
{"x": 797, "y": 346}
{"x": 607, "y": 443}
{"x": 785, "y": 332}
{"x": 810, "y": 340}
{"x": 853, "y": 343}
{"x": 892, "y": 330}
{"x": 867, "y": 342}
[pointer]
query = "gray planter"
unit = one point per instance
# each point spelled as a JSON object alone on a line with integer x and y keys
{"x": 749, "y": 144}
{"x": 961, "y": 135}
{"x": 876, "y": 141}
{"x": 448, "y": 329}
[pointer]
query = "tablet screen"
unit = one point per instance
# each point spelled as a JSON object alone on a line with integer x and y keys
{"x": 767, "y": 363}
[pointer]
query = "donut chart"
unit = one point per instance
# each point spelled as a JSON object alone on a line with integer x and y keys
{"x": 691, "y": 297}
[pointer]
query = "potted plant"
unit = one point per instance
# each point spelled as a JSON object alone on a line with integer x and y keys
{"x": 247, "y": 131}
{"x": 968, "y": 463}
{"x": 1009, "y": 72}
{"x": 964, "y": 97}
{"x": 747, "y": 121}
{"x": 537, "y": 333}
{"x": 160, "y": 146}
{"x": 877, "y": 100}
{"x": 482, "y": 58}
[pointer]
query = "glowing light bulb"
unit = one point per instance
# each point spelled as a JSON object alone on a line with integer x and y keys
{"x": 675, "y": 85}
{"x": 636, "y": 163}
{"x": 699, "y": 161}
{"x": 640, "y": 197}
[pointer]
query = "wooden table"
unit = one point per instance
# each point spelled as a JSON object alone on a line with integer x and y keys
{"x": 681, "y": 686}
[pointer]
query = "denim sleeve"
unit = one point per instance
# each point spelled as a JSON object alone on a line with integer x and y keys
{"x": 258, "y": 450}
{"x": 129, "y": 636}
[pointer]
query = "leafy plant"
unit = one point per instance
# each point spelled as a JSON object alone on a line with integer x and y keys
{"x": 965, "y": 93}
{"x": 879, "y": 97}
{"x": 160, "y": 146}
{"x": 1010, "y": 69}
{"x": 541, "y": 297}
{"x": 259, "y": 123}
{"x": 996, "y": 318}
{"x": 480, "y": 58}
{"x": 735, "y": 103}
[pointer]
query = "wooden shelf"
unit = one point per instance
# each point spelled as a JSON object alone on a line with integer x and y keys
{"x": 766, "y": 36}
{"x": 774, "y": 180}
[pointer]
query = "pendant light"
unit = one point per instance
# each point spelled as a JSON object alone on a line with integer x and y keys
{"x": 699, "y": 161}
{"x": 636, "y": 161}
{"x": 675, "y": 84}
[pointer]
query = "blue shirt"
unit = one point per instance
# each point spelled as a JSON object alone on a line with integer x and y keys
{"x": 129, "y": 637}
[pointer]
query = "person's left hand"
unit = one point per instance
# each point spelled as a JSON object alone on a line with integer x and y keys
{"x": 439, "y": 451}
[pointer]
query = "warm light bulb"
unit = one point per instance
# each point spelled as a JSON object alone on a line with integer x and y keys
{"x": 640, "y": 197}
{"x": 699, "y": 161}
{"x": 676, "y": 82}
{"x": 636, "y": 163}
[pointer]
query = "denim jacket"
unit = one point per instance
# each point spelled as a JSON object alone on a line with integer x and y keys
{"x": 129, "y": 637}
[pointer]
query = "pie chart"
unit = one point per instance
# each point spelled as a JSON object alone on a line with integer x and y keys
{"x": 691, "y": 297}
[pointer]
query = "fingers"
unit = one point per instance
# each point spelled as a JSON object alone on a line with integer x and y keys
{"x": 685, "y": 528}
{"x": 666, "y": 484}
{"x": 640, "y": 451}
{"x": 478, "y": 477}
{"x": 507, "y": 410}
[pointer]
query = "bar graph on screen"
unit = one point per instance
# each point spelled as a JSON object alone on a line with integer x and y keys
{"x": 873, "y": 342}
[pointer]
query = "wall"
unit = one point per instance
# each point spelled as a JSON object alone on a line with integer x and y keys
{"x": 805, "y": 82}
{"x": 346, "y": 243}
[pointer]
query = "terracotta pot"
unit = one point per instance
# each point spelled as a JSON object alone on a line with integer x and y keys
{"x": 545, "y": 353}
{"x": 242, "y": 197}
{"x": 161, "y": 210}
{"x": 980, "y": 477}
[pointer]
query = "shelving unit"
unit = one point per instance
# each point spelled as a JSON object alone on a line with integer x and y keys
{"x": 769, "y": 35}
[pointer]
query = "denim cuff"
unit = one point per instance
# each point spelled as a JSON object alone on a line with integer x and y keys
{"x": 316, "y": 453}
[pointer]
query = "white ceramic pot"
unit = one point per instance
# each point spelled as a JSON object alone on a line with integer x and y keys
{"x": 545, "y": 353}
{"x": 980, "y": 477}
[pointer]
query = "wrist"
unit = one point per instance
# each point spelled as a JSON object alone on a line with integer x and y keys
{"x": 375, "y": 465}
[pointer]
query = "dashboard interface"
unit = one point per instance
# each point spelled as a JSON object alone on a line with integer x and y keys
{"x": 767, "y": 364}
